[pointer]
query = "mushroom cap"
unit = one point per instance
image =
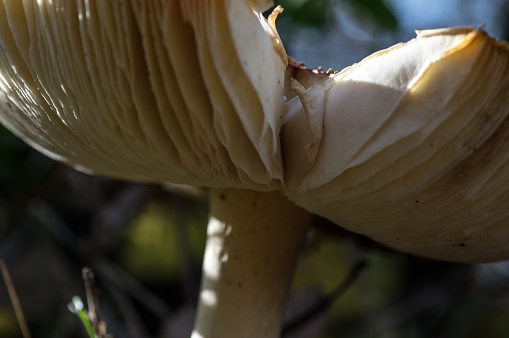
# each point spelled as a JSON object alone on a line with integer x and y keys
{"x": 146, "y": 90}
{"x": 413, "y": 149}
{"x": 408, "y": 147}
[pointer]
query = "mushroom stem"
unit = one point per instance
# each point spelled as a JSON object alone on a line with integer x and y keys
{"x": 253, "y": 239}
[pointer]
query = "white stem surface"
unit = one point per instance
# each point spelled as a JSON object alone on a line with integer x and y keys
{"x": 252, "y": 244}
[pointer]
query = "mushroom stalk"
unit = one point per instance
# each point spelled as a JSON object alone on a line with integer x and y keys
{"x": 253, "y": 239}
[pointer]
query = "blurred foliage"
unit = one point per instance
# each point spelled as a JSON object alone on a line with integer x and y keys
{"x": 376, "y": 12}
{"x": 504, "y": 12}
{"x": 320, "y": 13}
{"x": 156, "y": 232}
{"x": 309, "y": 13}
{"x": 17, "y": 163}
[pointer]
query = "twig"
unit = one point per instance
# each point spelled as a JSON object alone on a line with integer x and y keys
{"x": 133, "y": 323}
{"x": 326, "y": 302}
{"x": 122, "y": 279}
{"x": 93, "y": 305}
{"x": 14, "y": 300}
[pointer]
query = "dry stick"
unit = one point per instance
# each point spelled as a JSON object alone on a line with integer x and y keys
{"x": 14, "y": 300}
{"x": 93, "y": 305}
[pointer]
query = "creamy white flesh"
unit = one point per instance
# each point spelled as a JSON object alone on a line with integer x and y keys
{"x": 408, "y": 147}
{"x": 414, "y": 148}
{"x": 158, "y": 91}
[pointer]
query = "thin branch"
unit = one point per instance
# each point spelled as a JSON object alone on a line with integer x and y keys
{"x": 93, "y": 305}
{"x": 122, "y": 279}
{"x": 326, "y": 302}
{"x": 14, "y": 300}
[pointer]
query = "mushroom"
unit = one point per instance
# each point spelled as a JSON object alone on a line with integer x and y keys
{"x": 406, "y": 147}
{"x": 412, "y": 147}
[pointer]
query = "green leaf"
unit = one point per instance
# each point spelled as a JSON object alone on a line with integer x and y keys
{"x": 86, "y": 323}
{"x": 76, "y": 307}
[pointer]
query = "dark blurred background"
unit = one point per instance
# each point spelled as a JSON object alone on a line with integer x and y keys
{"x": 145, "y": 242}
